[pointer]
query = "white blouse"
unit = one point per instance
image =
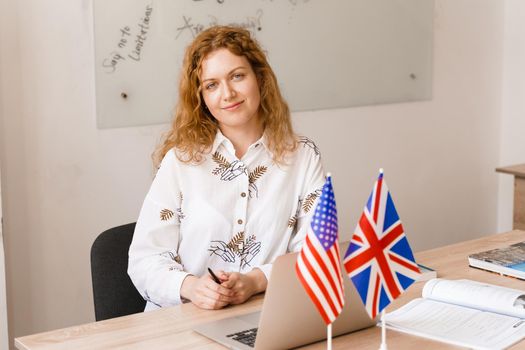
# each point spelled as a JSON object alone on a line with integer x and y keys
{"x": 223, "y": 213}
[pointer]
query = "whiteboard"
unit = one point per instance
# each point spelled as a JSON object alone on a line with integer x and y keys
{"x": 325, "y": 53}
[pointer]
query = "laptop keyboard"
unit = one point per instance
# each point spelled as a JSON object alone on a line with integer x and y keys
{"x": 246, "y": 337}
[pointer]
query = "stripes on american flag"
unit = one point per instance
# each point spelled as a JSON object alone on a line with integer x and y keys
{"x": 318, "y": 267}
{"x": 379, "y": 260}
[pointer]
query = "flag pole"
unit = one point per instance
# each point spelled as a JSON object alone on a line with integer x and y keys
{"x": 383, "y": 331}
{"x": 329, "y": 337}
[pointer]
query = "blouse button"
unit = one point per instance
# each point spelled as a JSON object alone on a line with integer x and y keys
{"x": 243, "y": 194}
{"x": 239, "y": 222}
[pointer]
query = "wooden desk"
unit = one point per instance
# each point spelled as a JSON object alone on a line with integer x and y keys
{"x": 519, "y": 193}
{"x": 170, "y": 328}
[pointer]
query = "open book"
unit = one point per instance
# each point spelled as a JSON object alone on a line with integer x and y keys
{"x": 464, "y": 313}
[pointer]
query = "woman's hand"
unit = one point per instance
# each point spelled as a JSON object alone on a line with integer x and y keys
{"x": 205, "y": 293}
{"x": 243, "y": 286}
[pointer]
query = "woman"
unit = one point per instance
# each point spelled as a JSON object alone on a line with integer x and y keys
{"x": 235, "y": 186}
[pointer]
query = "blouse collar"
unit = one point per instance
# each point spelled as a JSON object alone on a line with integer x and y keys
{"x": 220, "y": 139}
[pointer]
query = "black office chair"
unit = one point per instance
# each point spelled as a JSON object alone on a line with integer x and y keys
{"x": 114, "y": 294}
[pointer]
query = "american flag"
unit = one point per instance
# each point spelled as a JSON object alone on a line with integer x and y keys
{"x": 318, "y": 267}
{"x": 379, "y": 260}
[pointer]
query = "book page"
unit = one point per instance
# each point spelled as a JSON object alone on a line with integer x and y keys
{"x": 457, "y": 325}
{"x": 477, "y": 295}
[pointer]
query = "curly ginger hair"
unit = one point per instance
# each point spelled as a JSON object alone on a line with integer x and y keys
{"x": 193, "y": 128}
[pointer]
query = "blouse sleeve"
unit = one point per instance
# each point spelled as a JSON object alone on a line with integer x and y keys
{"x": 313, "y": 186}
{"x": 154, "y": 264}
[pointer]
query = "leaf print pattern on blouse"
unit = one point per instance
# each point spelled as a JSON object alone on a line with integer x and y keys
{"x": 292, "y": 221}
{"x": 180, "y": 213}
{"x": 236, "y": 244}
{"x": 246, "y": 250}
{"x": 235, "y": 169}
{"x": 309, "y": 200}
{"x": 249, "y": 251}
{"x": 228, "y": 171}
{"x": 222, "y": 163}
{"x": 221, "y": 249}
{"x": 309, "y": 143}
{"x": 166, "y": 214}
{"x": 172, "y": 256}
{"x": 254, "y": 176}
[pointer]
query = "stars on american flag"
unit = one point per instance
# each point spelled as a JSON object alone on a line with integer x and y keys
{"x": 325, "y": 219}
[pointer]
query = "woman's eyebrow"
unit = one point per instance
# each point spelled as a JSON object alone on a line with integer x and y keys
{"x": 230, "y": 72}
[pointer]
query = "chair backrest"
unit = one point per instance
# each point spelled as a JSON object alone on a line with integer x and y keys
{"x": 113, "y": 292}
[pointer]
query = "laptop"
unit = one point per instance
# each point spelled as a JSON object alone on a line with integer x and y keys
{"x": 288, "y": 318}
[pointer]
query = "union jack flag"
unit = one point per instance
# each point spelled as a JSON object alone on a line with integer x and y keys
{"x": 318, "y": 267}
{"x": 379, "y": 260}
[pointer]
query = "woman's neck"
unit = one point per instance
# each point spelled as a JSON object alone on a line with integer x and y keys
{"x": 242, "y": 139}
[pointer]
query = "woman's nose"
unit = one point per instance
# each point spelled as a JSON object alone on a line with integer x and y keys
{"x": 228, "y": 92}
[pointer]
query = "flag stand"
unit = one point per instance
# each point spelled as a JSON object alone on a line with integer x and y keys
{"x": 329, "y": 337}
{"x": 383, "y": 331}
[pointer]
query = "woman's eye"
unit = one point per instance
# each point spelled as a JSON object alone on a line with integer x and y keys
{"x": 238, "y": 76}
{"x": 210, "y": 86}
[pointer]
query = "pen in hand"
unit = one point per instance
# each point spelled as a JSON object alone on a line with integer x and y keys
{"x": 214, "y": 276}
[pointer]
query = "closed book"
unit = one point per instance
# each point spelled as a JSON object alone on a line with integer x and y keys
{"x": 509, "y": 261}
{"x": 427, "y": 273}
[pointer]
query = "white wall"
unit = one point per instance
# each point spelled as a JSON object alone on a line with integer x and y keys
{"x": 439, "y": 156}
{"x": 3, "y": 301}
{"x": 512, "y": 146}
{"x": 65, "y": 181}
{"x": 4, "y": 338}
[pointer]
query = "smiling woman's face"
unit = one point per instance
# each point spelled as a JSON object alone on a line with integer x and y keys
{"x": 230, "y": 90}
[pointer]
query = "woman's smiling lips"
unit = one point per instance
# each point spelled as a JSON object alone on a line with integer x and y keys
{"x": 233, "y": 106}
